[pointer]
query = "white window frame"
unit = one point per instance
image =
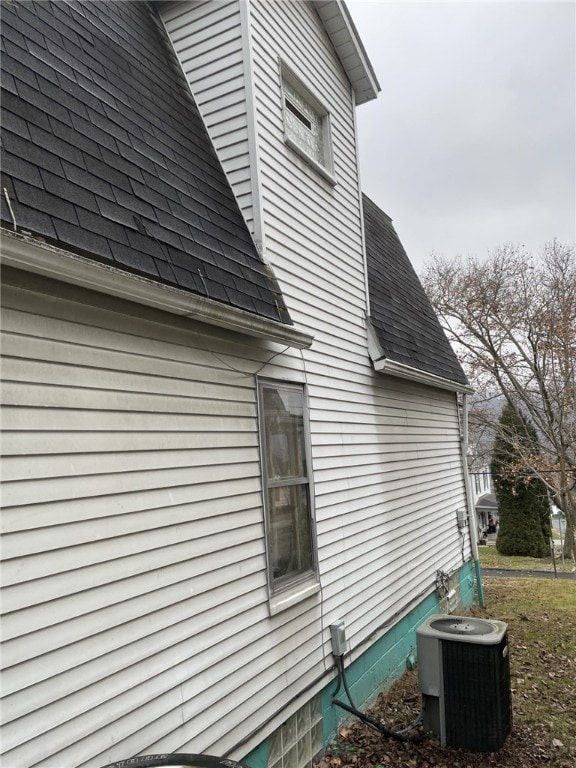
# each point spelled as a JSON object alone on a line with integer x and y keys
{"x": 301, "y": 586}
{"x": 326, "y": 167}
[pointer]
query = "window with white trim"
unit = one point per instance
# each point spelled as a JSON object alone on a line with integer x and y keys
{"x": 477, "y": 482}
{"x": 306, "y": 124}
{"x": 286, "y": 481}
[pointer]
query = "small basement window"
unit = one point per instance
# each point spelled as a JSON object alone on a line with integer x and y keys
{"x": 306, "y": 124}
{"x": 299, "y": 740}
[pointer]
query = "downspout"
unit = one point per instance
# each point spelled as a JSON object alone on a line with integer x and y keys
{"x": 472, "y": 522}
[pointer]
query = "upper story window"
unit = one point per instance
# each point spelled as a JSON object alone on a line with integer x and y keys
{"x": 290, "y": 536}
{"x": 306, "y": 124}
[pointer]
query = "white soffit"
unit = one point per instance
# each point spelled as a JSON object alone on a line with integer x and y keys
{"x": 346, "y": 41}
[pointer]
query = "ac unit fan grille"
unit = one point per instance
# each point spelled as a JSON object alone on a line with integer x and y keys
{"x": 477, "y": 703}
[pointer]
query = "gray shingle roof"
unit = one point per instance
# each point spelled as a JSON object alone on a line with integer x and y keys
{"x": 405, "y": 323}
{"x": 104, "y": 152}
{"x": 487, "y": 502}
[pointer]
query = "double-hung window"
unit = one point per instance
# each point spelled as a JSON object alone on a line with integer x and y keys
{"x": 286, "y": 478}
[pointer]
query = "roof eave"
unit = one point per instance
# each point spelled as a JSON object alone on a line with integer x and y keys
{"x": 392, "y": 368}
{"x": 383, "y": 364}
{"x": 28, "y": 253}
{"x": 340, "y": 27}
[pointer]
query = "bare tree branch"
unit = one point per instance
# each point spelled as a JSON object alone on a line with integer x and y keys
{"x": 512, "y": 320}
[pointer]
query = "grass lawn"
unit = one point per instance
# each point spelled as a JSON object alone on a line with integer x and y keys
{"x": 491, "y": 558}
{"x": 541, "y": 615}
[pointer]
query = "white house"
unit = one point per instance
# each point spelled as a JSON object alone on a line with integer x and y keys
{"x": 483, "y": 496}
{"x": 231, "y": 417}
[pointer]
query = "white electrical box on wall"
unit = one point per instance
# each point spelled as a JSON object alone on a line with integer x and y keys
{"x": 462, "y": 518}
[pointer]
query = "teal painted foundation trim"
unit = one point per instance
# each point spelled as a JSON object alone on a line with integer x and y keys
{"x": 467, "y": 593}
{"x": 379, "y": 665}
{"x": 258, "y": 758}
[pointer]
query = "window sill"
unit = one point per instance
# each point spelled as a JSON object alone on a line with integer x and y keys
{"x": 292, "y": 595}
{"x": 310, "y": 161}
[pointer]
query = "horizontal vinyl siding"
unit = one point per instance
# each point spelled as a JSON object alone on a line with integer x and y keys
{"x": 134, "y": 575}
{"x": 387, "y": 517}
{"x": 136, "y": 589}
{"x": 312, "y": 230}
{"x": 207, "y": 38}
{"x": 386, "y": 453}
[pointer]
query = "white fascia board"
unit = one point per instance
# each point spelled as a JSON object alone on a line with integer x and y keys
{"x": 348, "y": 46}
{"x": 27, "y": 253}
{"x": 402, "y": 371}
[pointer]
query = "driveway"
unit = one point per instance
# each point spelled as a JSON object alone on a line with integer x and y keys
{"x": 487, "y": 572}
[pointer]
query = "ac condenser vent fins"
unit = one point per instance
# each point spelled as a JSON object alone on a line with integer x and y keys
{"x": 464, "y": 677}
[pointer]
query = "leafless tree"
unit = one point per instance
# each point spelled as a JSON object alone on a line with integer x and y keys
{"x": 512, "y": 320}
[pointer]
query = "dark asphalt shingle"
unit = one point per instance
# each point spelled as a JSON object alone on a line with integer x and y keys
{"x": 89, "y": 243}
{"x": 78, "y": 195}
{"x": 8, "y": 83}
{"x": 88, "y": 181}
{"x": 30, "y": 94}
{"x": 62, "y": 148}
{"x": 23, "y": 22}
{"x": 14, "y": 67}
{"x": 68, "y": 133}
{"x": 12, "y": 165}
{"x": 68, "y": 95}
{"x": 28, "y": 112}
{"x": 15, "y": 124}
{"x": 135, "y": 260}
{"x": 105, "y": 227}
{"x": 108, "y": 173}
{"x": 43, "y": 201}
{"x": 37, "y": 222}
{"x": 403, "y": 318}
{"x": 105, "y": 152}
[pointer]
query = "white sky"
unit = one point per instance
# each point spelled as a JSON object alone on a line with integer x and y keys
{"x": 472, "y": 140}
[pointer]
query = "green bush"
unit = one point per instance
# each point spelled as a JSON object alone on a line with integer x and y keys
{"x": 522, "y": 499}
{"x": 520, "y": 529}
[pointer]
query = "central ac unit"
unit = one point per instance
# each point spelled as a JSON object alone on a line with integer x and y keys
{"x": 464, "y": 677}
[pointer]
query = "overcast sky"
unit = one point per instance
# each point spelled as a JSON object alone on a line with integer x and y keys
{"x": 471, "y": 142}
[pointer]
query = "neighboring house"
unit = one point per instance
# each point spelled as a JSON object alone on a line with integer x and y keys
{"x": 484, "y": 409}
{"x": 486, "y": 510}
{"x": 483, "y": 496}
{"x": 482, "y": 481}
{"x": 228, "y": 424}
